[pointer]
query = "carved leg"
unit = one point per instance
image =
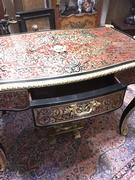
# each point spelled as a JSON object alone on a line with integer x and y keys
{"x": 124, "y": 118}
{"x": 3, "y": 160}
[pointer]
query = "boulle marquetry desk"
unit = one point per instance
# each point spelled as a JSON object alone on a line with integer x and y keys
{"x": 66, "y": 76}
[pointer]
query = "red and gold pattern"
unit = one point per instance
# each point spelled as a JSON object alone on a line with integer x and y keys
{"x": 102, "y": 153}
{"x": 15, "y": 100}
{"x": 32, "y": 56}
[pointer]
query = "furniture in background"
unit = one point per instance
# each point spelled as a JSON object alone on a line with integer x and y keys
{"x": 62, "y": 87}
{"x": 74, "y": 20}
{"x": 68, "y": 16}
{"x": 118, "y": 16}
{"x": 123, "y": 27}
{"x": 40, "y": 19}
{"x": 28, "y": 5}
{"x": 5, "y": 23}
{"x": 131, "y": 18}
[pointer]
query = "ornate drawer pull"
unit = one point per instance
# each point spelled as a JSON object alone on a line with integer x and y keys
{"x": 84, "y": 113}
{"x": 87, "y": 109}
{"x": 78, "y": 110}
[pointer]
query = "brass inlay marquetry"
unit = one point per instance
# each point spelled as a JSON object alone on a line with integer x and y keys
{"x": 79, "y": 110}
{"x": 14, "y": 100}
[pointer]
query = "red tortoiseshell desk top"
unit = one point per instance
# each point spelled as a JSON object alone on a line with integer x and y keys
{"x": 36, "y": 60}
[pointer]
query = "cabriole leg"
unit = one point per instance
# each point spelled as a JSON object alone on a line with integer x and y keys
{"x": 3, "y": 159}
{"x": 124, "y": 118}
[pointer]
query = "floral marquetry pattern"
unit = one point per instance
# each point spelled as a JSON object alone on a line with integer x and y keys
{"x": 32, "y": 56}
{"x": 14, "y": 100}
{"x": 78, "y": 110}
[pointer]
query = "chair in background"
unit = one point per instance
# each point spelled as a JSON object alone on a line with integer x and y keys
{"x": 36, "y": 20}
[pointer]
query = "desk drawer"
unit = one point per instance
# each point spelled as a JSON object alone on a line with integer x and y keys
{"x": 79, "y": 110}
{"x": 78, "y": 106}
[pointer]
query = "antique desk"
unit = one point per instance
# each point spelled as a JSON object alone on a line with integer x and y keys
{"x": 65, "y": 76}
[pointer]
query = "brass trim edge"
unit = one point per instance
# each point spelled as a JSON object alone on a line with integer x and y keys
{"x": 66, "y": 80}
